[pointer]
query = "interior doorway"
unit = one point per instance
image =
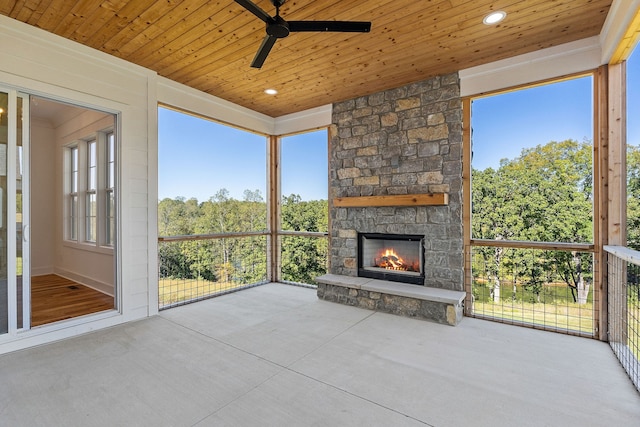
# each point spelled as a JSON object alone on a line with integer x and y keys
{"x": 73, "y": 168}
{"x": 57, "y": 211}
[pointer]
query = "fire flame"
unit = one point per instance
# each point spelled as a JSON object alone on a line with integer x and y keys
{"x": 390, "y": 260}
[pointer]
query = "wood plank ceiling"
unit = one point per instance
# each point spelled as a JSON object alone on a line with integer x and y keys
{"x": 209, "y": 45}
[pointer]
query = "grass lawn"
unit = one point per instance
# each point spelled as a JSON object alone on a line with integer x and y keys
{"x": 568, "y": 316}
{"x": 172, "y": 291}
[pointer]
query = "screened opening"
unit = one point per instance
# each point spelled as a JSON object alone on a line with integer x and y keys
{"x": 532, "y": 195}
{"x": 212, "y": 212}
{"x": 304, "y": 206}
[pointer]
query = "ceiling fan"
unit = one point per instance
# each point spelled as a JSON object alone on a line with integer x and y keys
{"x": 278, "y": 28}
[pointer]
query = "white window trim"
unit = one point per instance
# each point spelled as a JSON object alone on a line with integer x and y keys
{"x": 100, "y": 245}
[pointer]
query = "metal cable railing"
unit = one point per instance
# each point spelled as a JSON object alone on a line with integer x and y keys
{"x": 540, "y": 285}
{"x": 624, "y": 308}
{"x": 201, "y": 266}
{"x": 196, "y": 267}
{"x": 304, "y": 256}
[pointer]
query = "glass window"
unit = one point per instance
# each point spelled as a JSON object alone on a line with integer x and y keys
{"x": 109, "y": 193}
{"x": 73, "y": 193}
{"x": 91, "y": 194}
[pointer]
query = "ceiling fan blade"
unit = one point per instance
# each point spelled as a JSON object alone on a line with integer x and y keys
{"x": 251, "y": 7}
{"x": 337, "y": 26}
{"x": 265, "y": 48}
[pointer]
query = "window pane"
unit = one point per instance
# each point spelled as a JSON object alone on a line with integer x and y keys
{"x": 110, "y": 160}
{"x": 92, "y": 162}
{"x": 73, "y": 221}
{"x": 73, "y": 154}
{"x": 110, "y": 234}
{"x": 92, "y": 210}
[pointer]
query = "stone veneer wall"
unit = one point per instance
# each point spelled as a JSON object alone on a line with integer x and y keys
{"x": 401, "y": 141}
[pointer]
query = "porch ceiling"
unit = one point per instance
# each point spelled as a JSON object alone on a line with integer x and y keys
{"x": 209, "y": 45}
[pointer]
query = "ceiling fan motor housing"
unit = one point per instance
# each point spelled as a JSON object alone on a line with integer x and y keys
{"x": 278, "y": 27}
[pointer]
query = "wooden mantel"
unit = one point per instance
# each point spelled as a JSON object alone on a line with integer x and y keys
{"x": 432, "y": 199}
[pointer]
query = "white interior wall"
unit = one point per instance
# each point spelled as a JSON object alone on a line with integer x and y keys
{"x": 42, "y": 64}
{"x": 85, "y": 264}
{"x": 43, "y": 192}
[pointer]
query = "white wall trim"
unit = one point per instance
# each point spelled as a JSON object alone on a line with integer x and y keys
{"x": 618, "y": 19}
{"x": 557, "y": 61}
{"x": 180, "y": 96}
{"x": 177, "y": 95}
{"x": 152, "y": 194}
{"x": 41, "y": 271}
{"x": 35, "y": 54}
{"x": 312, "y": 118}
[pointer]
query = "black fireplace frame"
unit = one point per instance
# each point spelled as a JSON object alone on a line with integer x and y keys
{"x": 391, "y": 275}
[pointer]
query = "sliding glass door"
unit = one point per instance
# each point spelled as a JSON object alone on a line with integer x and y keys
{"x": 14, "y": 278}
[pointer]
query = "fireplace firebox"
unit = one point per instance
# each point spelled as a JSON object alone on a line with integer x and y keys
{"x": 394, "y": 257}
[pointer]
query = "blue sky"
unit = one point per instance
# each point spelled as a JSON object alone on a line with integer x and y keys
{"x": 304, "y": 165}
{"x": 505, "y": 124}
{"x": 199, "y": 157}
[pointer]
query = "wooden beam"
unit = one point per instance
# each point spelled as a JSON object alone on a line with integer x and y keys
{"x": 434, "y": 199}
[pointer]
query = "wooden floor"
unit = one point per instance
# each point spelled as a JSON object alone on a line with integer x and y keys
{"x": 55, "y": 298}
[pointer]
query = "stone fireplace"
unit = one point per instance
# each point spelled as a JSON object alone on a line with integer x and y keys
{"x": 391, "y": 153}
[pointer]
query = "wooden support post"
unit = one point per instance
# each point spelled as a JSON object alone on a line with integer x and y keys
{"x": 616, "y": 173}
{"x": 273, "y": 240}
{"x": 600, "y": 191}
{"x": 466, "y": 203}
{"x": 331, "y": 131}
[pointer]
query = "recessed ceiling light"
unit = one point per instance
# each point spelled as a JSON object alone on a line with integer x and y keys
{"x": 270, "y": 91}
{"x": 494, "y": 17}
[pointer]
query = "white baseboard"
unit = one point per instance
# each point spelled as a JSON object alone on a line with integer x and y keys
{"x": 41, "y": 271}
{"x": 105, "y": 288}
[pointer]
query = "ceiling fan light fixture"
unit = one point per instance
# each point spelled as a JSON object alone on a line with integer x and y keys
{"x": 271, "y": 91}
{"x": 494, "y": 17}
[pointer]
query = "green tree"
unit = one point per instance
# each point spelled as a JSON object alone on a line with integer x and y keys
{"x": 176, "y": 217}
{"x": 633, "y": 197}
{"x": 544, "y": 195}
{"x": 304, "y": 258}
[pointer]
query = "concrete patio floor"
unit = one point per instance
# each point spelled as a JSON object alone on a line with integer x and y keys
{"x": 275, "y": 355}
